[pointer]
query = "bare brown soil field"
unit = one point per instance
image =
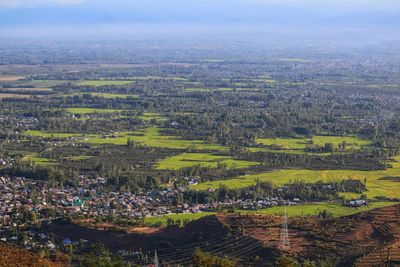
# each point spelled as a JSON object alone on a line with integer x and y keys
{"x": 90, "y": 223}
{"x": 2, "y": 96}
{"x": 20, "y": 90}
{"x": 10, "y": 78}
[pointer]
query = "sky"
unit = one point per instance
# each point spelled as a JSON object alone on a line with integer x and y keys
{"x": 319, "y": 5}
{"x": 24, "y": 16}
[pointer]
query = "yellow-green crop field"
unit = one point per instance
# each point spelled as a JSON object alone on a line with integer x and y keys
{"x": 82, "y": 111}
{"x": 51, "y": 134}
{"x": 313, "y": 209}
{"x": 204, "y": 160}
{"x": 148, "y": 116}
{"x": 37, "y": 160}
{"x": 149, "y": 137}
{"x": 152, "y": 137}
{"x": 379, "y": 183}
{"x": 97, "y": 83}
{"x": 293, "y": 144}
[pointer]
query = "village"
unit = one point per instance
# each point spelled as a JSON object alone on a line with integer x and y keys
{"x": 86, "y": 201}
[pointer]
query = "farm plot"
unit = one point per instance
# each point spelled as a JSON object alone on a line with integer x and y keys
{"x": 98, "y": 83}
{"x": 314, "y": 209}
{"x": 83, "y": 111}
{"x": 152, "y": 137}
{"x": 378, "y": 183}
{"x": 204, "y": 160}
{"x": 180, "y": 219}
{"x": 299, "y": 145}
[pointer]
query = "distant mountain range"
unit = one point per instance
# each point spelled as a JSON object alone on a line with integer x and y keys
{"x": 231, "y": 15}
{"x": 368, "y": 19}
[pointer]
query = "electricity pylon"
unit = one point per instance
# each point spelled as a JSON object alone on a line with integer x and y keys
{"x": 156, "y": 259}
{"x": 284, "y": 243}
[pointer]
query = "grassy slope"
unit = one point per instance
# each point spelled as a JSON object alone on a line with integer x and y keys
{"x": 182, "y": 217}
{"x": 314, "y": 209}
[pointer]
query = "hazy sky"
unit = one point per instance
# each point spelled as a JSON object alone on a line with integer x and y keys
{"x": 75, "y": 15}
{"x": 321, "y": 5}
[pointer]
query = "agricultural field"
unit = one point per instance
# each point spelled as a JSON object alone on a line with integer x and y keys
{"x": 51, "y": 134}
{"x": 378, "y": 183}
{"x": 14, "y": 96}
{"x": 77, "y": 158}
{"x": 148, "y": 116}
{"x": 10, "y": 78}
{"x": 293, "y": 144}
{"x": 152, "y": 137}
{"x": 183, "y": 217}
{"x": 37, "y": 160}
{"x": 98, "y": 83}
{"x": 335, "y": 209}
{"x": 114, "y": 96}
{"x": 204, "y": 160}
{"x": 27, "y": 89}
{"x": 149, "y": 137}
{"x": 83, "y": 111}
{"x": 44, "y": 83}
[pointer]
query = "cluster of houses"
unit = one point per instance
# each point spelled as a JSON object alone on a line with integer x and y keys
{"x": 90, "y": 202}
{"x": 19, "y": 121}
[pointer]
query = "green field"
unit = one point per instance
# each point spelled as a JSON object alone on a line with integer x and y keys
{"x": 37, "y": 160}
{"x": 203, "y": 159}
{"x": 148, "y": 116}
{"x": 82, "y": 111}
{"x": 97, "y": 83}
{"x": 313, "y": 209}
{"x": 152, "y": 137}
{"x": 51, "y": 135}
{"x": 149, "y": 136}
{"x": 77, "y": 158}
{"x": 293, "y": 144}
{"x": 379, "y": 183}
{"x": 162, "y": 220}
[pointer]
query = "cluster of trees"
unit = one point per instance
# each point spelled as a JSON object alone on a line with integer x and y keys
{"x": 318, "y": 191}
